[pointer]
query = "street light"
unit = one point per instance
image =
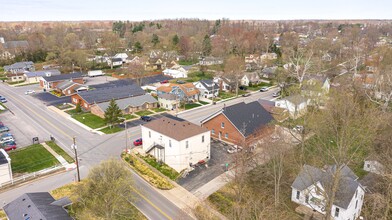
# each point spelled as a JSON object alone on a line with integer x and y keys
{"x": 126, "y": 133}
{"x": 74, "y": 147}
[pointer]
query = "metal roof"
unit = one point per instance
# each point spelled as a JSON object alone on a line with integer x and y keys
{"x": 54, "y": 78}
{"x": 131, "y": 101}
{"x": 107, "y": 94}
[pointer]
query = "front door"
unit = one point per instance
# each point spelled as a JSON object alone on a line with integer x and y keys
{"x": 220, "y": 135}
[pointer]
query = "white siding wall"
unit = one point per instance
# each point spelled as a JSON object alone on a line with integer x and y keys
{"x": 178, "y": 156}
{"x": 167, "y": 104}
{"x": 5, "y": 169}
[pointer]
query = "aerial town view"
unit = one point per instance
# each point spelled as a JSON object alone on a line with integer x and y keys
{"x": 204, "y": 110}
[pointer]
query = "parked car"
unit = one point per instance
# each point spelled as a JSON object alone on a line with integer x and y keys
{"x": 246, "y": 95}
{"x": 5, "y": 134}
{"x": 4, "y": 129}
{"x": 6, "y": 139}
{"x": 276, "y": 94}
{"x": 264, "y": 89}
{"x": 29, "y": 92}
{"x": 146, "y": 118}
{"x": 1, "y": 124}
{"x": 138, "y": 142}
{"x": 164, "y": 81}
{"x": 8, "y": 146}
{"x": 242, "y": 88}
{"x": 234, "y": 149}
{"x": 180, "y": 81}
{"x": 3, "y": 100}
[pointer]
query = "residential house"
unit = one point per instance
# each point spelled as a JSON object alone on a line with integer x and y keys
{"x": 15, "y": 77}
{"x": 127, "y": 105}
{"x": 88, "y": 98}
{"x": 208, "y": 61}
{"x": 168, "y": 101}
{"x": 8, "y": 49}
{"x": 279, "y": 114}
{"x": 269, "y": 72}
{"x": 51, "y": 82}
{"x": 252, "y": 58}
{"x": 312, "y": 187}
{"x": 115, "y": 62}
{"x": 123, "y": 56}
{"x": 176, "y": 142}
{"x": 70, "y": 87}
{"x": 267, "y": 57}
{"x": 35, "y": 76}
{"x": 155, "y": 64}
{"x": 20, "y": 67}
{"x": 37, "y": 205}
{"x": 5, "y": 167}
{"x": 242, "y": 123}
{"x": 185, "y": 92}
{"x": 226, "y": 84}
{"x": 207, "y": 88}
{"x": 295, "y": 104}
{"x": 250, "y": 78}
{"x": 315, "y": 88}
{"x": 176, "y": 71}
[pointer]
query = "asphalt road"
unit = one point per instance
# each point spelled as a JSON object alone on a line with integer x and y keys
{"x": 93, "y": 148}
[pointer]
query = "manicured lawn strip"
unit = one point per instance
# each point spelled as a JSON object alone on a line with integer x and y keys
{"x": 204, "y": 103}
{"x": 258, "y": 87}
{"x": 30, "y": 159}
{"x": 129, "y": 116}
{"x": 162, "y": 167}
{"x": 71, "y": 112}
{"x": 112, "y": 130}
{"x": 90, "y": 120}
{"x": 60, "y": 151}
{"x": 158, "y": 110}
{"x": 226, "y": 95}
{"x": 144, "y": 113}
{"x": 191, "y": 105}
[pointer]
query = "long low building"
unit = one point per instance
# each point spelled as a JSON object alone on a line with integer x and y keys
{"x": 51, "y": 82}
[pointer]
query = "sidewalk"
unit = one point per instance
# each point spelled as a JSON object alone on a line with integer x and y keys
{"x": 214, "y": 185}
{"x": 63, "y": 162}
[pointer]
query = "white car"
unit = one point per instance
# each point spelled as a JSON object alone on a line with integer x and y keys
{"x": 234, "y": 149}
{"x": 6, "y": 139}
{"x": 264, "y": 89}
{"x": 29, "y": 92}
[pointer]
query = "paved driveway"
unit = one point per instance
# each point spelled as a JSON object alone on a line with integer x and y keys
{"x": 204, "y": 174}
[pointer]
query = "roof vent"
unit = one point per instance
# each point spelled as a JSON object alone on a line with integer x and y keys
{"x": 23, "y": 199}
{"x": 28, "y": 206}
{"x": 174, "y": 124}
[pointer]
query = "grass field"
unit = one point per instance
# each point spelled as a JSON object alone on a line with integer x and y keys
{"x": 204, "y": 103}
{"x": 88, "y": 119}
{"x": 144, "y": 112}
{"x": 112, "y": 130}
{"x": 30, "y": 159}
{"x": 129, "y": 116}
{"x": 191, "y": 105}
{"x": 60, "y": 151}
{"x": 158, "y": 110}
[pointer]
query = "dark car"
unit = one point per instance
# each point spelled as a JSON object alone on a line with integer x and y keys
{"x": 138, "y": 142}
{"x": 7, "y": 146}
{"x": 4, "y": 129}
{"x": 242, "y": 87}
{"x": 180, "y": 81}
{"x": 164, "y": 81}
{"x": 246, "y": 95}
{"x": 146, "y": 118}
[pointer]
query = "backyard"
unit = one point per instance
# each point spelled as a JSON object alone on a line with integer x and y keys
{"x": 31, "y": 159}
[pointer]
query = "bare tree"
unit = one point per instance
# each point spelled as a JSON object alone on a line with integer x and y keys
{"x": 300, "y": 62}
{"x": 234, "y": 67}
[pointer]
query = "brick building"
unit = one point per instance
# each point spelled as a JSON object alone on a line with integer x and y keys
{"x": 51, "y": 82}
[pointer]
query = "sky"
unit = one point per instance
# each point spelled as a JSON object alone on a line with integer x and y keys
{"x": 137, "y": 10}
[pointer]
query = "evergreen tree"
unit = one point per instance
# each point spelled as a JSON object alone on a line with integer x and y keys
{"x": 137, "y": 47}
{"x": 155, "y": 39}
{"x": 112, "y": 113}
{"x": 78, "y": 108}
{"x": 175, "y": 40}
{"x": 206, "y": 46}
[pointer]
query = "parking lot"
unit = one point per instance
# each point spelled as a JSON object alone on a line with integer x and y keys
{"x": 215, "y": 167}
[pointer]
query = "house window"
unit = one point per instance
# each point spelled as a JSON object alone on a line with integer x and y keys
{"x": 202, "y": 139}
{"x": 213, "y": 131}
{"x": 226, "y": 135}
{"x": 368, "y": 165}
{"x": 298, "y": 194}
{"x": 170, "y": 143}
{"x": 307, "y": 198}
{"x": 149, "y": 134}
{"x": 222, "y": 125}
{"x": 356, "y": 193}
{"x": 186, "y": 144}
{"x": 356, "y": 204}
{"x": 361, "y": 197}
{"x": 337, "y": 212}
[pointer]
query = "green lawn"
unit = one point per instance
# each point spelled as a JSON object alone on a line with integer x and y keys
{"x": 144, "y": 112}
{"x": 187, "y": 62}
{"x": 191, "y": 105}
{"x": 112, "y": 130}
{"x": 162, "y": 167}
{"x": 31, "y": 159}
{"x": 226, "y": 95}
{"x": 258, "y": 87}
{"x": 158, "y": 110}
{"x": 204, "y": 103}
{"x": 60, "y": 151}
{"x": 197, "y": 76}
{"x": 129, "y": 116}
{"x": 89, "y": 119}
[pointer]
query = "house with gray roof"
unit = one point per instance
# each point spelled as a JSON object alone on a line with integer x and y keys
{"x": 168, "y": 101}
{"x": 35, "y": 76}
{"x": 88, "y": 98}
{"x": 11, "y": 48}
{"x": 241, "y": 123}
{"x": 70, "y": 87}
{"x": 20, "y": 67}
{"x": 127, "y": 105}
{"x": 208, "y": 88}
{"x": 296, "y": 105}
{"x": 313, "y": 185}
{"x": 52, "y": 81}
{"x": 250, "y": 78}
{"x": 5, "y": 167}
{"x": 38, "y": 205}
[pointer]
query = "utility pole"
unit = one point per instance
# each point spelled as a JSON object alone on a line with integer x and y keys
{"x": 76, "y": 157}
{"x": 126, "y": 133}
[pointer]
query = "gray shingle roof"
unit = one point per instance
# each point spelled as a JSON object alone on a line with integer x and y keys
{"x": 61, "y": 77}
{"x": 36, "y": 206}
{"x": 65, "y": 85}
{"x": 247, "y": 118}
{"x": 348, "y": 183}
{"x": 132, "y": 101}
{"x": 167, "y": 96}
{"x": 42, "y": 73}
{"x": 208, "y": 82}
{"x": 107, "y": 94}
{"x": 19, "y": 65}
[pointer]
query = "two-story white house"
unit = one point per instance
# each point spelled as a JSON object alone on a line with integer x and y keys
{"x": 295, "y": 104}
{"x": 176, "y": 142}
{"x": 313, "y": 185}
{"x": 207, "y": 88}
{"x": 5, "y": 167}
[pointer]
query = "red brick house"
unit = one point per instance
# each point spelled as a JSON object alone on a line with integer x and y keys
{"x": 240, "y": 124}
{"x": 51, "y": 82}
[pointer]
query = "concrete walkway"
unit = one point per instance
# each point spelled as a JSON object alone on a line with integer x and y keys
{"x": 61, "y": 159}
